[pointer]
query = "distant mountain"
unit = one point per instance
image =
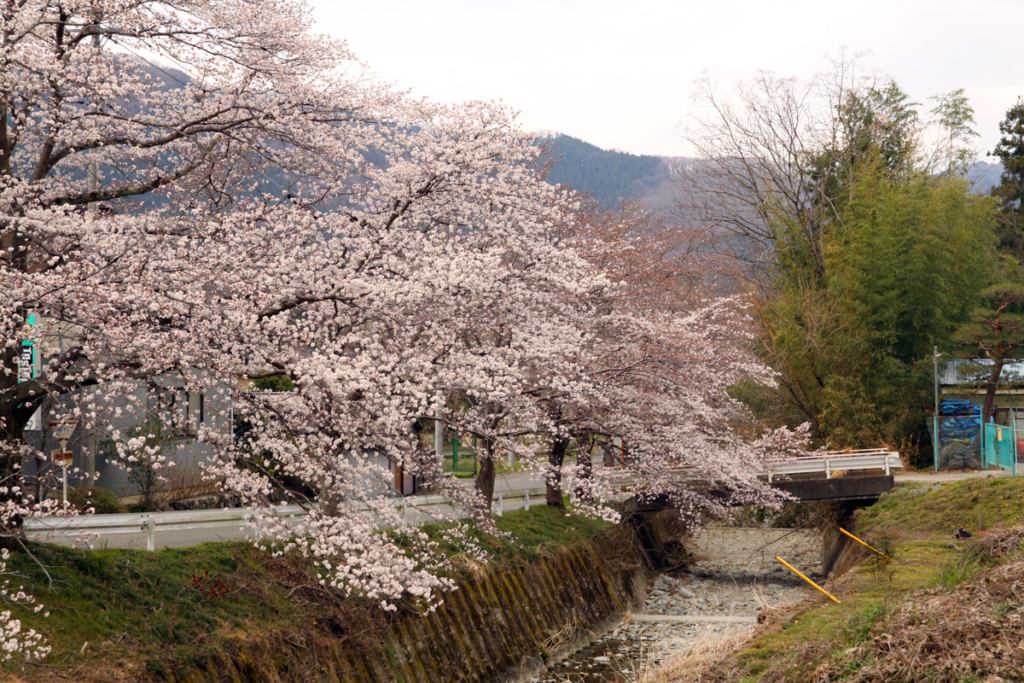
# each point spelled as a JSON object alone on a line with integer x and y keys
{"x": 607, "y": 175}
{"x": 984, "y": 176}
{"x": 611, "y": 176}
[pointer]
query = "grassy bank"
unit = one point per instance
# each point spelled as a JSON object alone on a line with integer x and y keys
{"x": 919, "y": 510}
{"x": 830, "y": 642}
{"x": 126, "y": 615}
{"x": 830, "y": 630}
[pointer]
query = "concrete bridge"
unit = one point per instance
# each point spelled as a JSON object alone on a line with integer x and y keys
{"x": 810, "y": 480}
{"x": 857, "y": 491}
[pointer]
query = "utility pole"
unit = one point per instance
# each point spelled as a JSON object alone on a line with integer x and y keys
{"x": 935, "y": 417}
{"x": 94, "y": 188}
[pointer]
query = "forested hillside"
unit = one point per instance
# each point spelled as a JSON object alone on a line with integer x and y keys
{"x": 984, "y": 175}
{"x": 608, "y": 175}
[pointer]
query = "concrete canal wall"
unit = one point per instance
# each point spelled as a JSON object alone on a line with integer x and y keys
{"x": 501, "y": 625}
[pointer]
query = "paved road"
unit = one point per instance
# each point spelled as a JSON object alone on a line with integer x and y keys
{"x": 521, "y": 480}
{"x": 947, "y": 476}
{"x": 517, "y": 481}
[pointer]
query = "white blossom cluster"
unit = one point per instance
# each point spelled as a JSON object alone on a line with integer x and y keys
{"x": 14, "y": 641}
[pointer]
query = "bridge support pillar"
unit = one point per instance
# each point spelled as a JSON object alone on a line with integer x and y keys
{"x": 838, "y": 552}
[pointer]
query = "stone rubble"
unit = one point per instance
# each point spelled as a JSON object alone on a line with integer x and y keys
{"x": 731, "y": 576}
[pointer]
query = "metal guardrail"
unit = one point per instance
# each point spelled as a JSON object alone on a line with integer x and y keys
{"x": 874, "y": 459}
{"x": 126, "y": 523}
{"x": 133, "y": 523}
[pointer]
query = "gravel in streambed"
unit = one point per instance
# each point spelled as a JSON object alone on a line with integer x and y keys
{"x": 732, "y": 577}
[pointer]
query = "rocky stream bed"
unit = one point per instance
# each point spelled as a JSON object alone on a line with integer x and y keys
{"x": 734, "y": 577}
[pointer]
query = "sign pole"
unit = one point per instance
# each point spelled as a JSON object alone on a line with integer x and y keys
{"x": 455, "y": 451}
{"x": 63, "y": 429}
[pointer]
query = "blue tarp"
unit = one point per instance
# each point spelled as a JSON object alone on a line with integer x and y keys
{"x": 959, "y": 407}
{"x": 962, "y": 424}
{"x": 959, "y": 429}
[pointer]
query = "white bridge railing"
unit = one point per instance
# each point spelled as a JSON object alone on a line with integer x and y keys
{"x": 150, "y": 522}
{"x": 872, "y": 459}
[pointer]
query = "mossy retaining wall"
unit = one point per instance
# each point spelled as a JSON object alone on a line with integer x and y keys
{"x": 500, "y": 626}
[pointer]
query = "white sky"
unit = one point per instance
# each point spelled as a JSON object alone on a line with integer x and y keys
{"x": 619, "y": 74}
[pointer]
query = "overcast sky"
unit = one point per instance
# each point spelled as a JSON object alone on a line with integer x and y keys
{"x": 619, "y": 74}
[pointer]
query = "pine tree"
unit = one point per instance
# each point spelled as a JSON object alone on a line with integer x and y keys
{"x": 1010, "y": 190}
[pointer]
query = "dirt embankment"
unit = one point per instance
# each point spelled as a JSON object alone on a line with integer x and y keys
{"x": 974, "y": 632}
{"x": 936, "y": 609}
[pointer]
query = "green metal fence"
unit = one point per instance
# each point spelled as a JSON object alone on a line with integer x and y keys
{"x": 964, "y": 442}
{"x": 999, "y": 447}
{"x": 459, "y": 457}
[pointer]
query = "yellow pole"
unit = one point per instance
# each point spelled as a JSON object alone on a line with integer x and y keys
{"x": 879, "y": 552}
{"x": 797, "y": 572}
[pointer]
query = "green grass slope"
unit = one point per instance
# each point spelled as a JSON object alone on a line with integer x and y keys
{"x": 127, "y": 615}
{"x": 974, "y": 504}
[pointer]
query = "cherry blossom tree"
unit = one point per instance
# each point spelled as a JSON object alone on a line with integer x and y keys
{"x": 87, "y": 133}
{"x": 140, "y": 232}
{"x": 275, "y": 212}
{"x": 660, "y": 355}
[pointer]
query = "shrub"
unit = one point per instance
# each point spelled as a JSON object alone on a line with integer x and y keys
{"x": 884, "y": 565}
{"x": 103, "y": 501}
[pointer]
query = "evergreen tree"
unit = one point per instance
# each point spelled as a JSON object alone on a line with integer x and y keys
{"x": 997, "y": 333}
{"x": 1010, "y": 190}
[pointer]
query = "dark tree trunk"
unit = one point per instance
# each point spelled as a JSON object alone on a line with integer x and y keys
{"x": 990, "y": 391}
{"x": 584, "y": 471}
{"x": 554, "y": 482}
{"x": 485, "y": 477}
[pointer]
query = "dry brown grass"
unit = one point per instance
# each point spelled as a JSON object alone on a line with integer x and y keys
{"x": 707, "y": 652}
{"x": 703, "y": 655}
{"x": 1000, "y": 542}
{"x": 949, "y": 636}
{"x": 188, "y": 480}
{"x": 563, "y": 636}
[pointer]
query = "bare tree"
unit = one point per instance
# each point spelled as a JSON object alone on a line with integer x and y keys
{"x": 774, "y": 158}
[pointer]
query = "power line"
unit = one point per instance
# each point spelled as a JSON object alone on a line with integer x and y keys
{"x": 791, "y": 532}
